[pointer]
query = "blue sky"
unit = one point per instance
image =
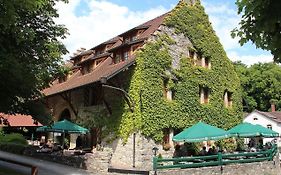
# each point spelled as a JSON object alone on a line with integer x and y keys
{"x": 91, "y": 22}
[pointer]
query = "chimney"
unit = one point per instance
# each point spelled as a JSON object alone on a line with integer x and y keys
{"x": 272, "y": 107}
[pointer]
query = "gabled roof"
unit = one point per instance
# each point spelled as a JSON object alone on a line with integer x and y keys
{"x": 18, "y": 120}
{"x": 106, "y": 68}
{"x": 275, "y": 116}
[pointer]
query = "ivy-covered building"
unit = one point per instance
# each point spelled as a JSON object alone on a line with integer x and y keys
{"x": 139, "y": 88}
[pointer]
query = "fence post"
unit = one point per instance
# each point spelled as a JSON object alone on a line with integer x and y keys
{"x": 155, "y": 164}
{"x": 220, "y": 161}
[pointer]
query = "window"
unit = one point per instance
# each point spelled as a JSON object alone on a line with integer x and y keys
{"x": 62, "y": 79}
{"x": 269, "y": 126}
{"x": 166, "y": 139}
{"x": 191, "y": 54}
{"x": 204, "y": 95}
{"x": 86, "y": 97}
{"x": 167, "y": 93}
{"x": 134, "y": 38}
{"x": 117, "y": 58}
{"x": 207, "y": 63}
{"x": 126, "y": 40}
{"x": 126, "y": 55}
{"x": 228, "y": 99}
{"x": 86, "y": 69}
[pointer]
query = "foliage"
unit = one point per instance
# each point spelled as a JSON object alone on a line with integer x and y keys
{"x": 13, "y": 147}
{"x": 30, "y": 50}
{"x": 260, "y": 24}
{"x": 228, "y": 145}
{"x": 153, "y": 113}
{"x": 13, "y": 138}
{"x": 261, "y": 85}
{"x": 14, "y": 143}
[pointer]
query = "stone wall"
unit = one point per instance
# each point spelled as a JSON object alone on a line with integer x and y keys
{"x": 259, "y": 168}
{"x": 122, "y": 154}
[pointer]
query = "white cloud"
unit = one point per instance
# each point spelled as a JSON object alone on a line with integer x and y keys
{"x": 224, "y": 19}
{"x": 104, "y": 21}
{"x": 250, "y": 59}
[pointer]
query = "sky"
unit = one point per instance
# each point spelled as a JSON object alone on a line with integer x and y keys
{"x": 91, "y": 22}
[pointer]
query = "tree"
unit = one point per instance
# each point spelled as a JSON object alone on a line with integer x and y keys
{"x": 261, "y": 24}
{"x": 261, "y": 85}
{"x": 30, "y": 50}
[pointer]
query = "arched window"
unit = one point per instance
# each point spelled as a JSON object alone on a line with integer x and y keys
{"x": 65, "y": 114}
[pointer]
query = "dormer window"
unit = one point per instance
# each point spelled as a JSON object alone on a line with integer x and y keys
{"x": 118, "y": 58}
{"x": 134, "y": 38}
{"x": 126, "y": 40}
{"x": 86, "y": 69}
{"x": 62, "y": 79}
{"x": 269, "y": 126}
{"x": 228, "y": 99}
{"x": 126, "y": 55}
{"x": 204, "y": 95}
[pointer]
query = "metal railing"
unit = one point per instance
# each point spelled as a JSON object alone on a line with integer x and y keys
{"x": 214, "y": 160}
{"x": 34, "y": 169}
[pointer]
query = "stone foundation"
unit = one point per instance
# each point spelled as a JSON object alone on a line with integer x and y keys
{"x": 259, "y": 168}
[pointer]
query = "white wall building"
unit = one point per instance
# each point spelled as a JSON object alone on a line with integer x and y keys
{"x": 270, "y": 120}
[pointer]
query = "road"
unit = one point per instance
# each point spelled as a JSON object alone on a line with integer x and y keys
{"x": 44, "y": 167}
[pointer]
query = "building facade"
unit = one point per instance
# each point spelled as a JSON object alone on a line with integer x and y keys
{"x": 138, "y": 89}
{"x": 271, "y": 120}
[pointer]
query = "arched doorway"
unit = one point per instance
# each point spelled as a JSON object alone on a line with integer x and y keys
{"x": 65, "y": 114}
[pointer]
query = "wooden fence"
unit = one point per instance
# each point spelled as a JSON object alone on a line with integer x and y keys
{"x": 214, "y": 160}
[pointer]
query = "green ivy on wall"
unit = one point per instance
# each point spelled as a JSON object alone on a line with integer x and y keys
{"x": 153, "y": 112}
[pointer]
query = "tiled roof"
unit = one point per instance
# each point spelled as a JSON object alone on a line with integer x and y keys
{"x": 17, "y": 120}
{"x": 275, "y": 116}
{"x": 106, "y": 68}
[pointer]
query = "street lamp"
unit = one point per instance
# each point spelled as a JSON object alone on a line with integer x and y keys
{"x": 131, "y": 105}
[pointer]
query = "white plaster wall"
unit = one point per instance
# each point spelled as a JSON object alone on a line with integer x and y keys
{"x": 264, "y": 121}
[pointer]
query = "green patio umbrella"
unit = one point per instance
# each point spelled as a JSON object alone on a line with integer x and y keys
{"x": 63, "y": 126}
{"x": 200, "y": 132}
{"x": 250, "y": 130}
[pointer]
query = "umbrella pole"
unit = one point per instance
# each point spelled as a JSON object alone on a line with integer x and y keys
{"x": 53, "y": 137}
{"x": 63, "y": 136}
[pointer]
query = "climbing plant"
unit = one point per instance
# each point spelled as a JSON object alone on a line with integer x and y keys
{"x": 153, "y": 112}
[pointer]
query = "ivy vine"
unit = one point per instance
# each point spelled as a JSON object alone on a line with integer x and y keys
{"x": 153, "y": 112}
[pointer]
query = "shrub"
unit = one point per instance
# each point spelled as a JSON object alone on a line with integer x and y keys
{"x": 13, "y": 147}
{"x": 13, "y": 138}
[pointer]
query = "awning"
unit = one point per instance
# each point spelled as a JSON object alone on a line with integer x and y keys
{"x": 200, "y": 132}
{"x": 63, "y": 126}
{"x": 250, "y": 130}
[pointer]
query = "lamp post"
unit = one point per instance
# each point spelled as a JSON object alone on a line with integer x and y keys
{"x": 131, "y": 105}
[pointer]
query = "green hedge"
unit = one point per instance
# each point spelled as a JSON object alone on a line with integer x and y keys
{"x": 13, "y": 147}
{"x": 14, "y": 143}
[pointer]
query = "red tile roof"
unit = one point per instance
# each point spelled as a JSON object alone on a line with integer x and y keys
{"x": 106, "y": 68}
{"x": 17, "y": 120}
